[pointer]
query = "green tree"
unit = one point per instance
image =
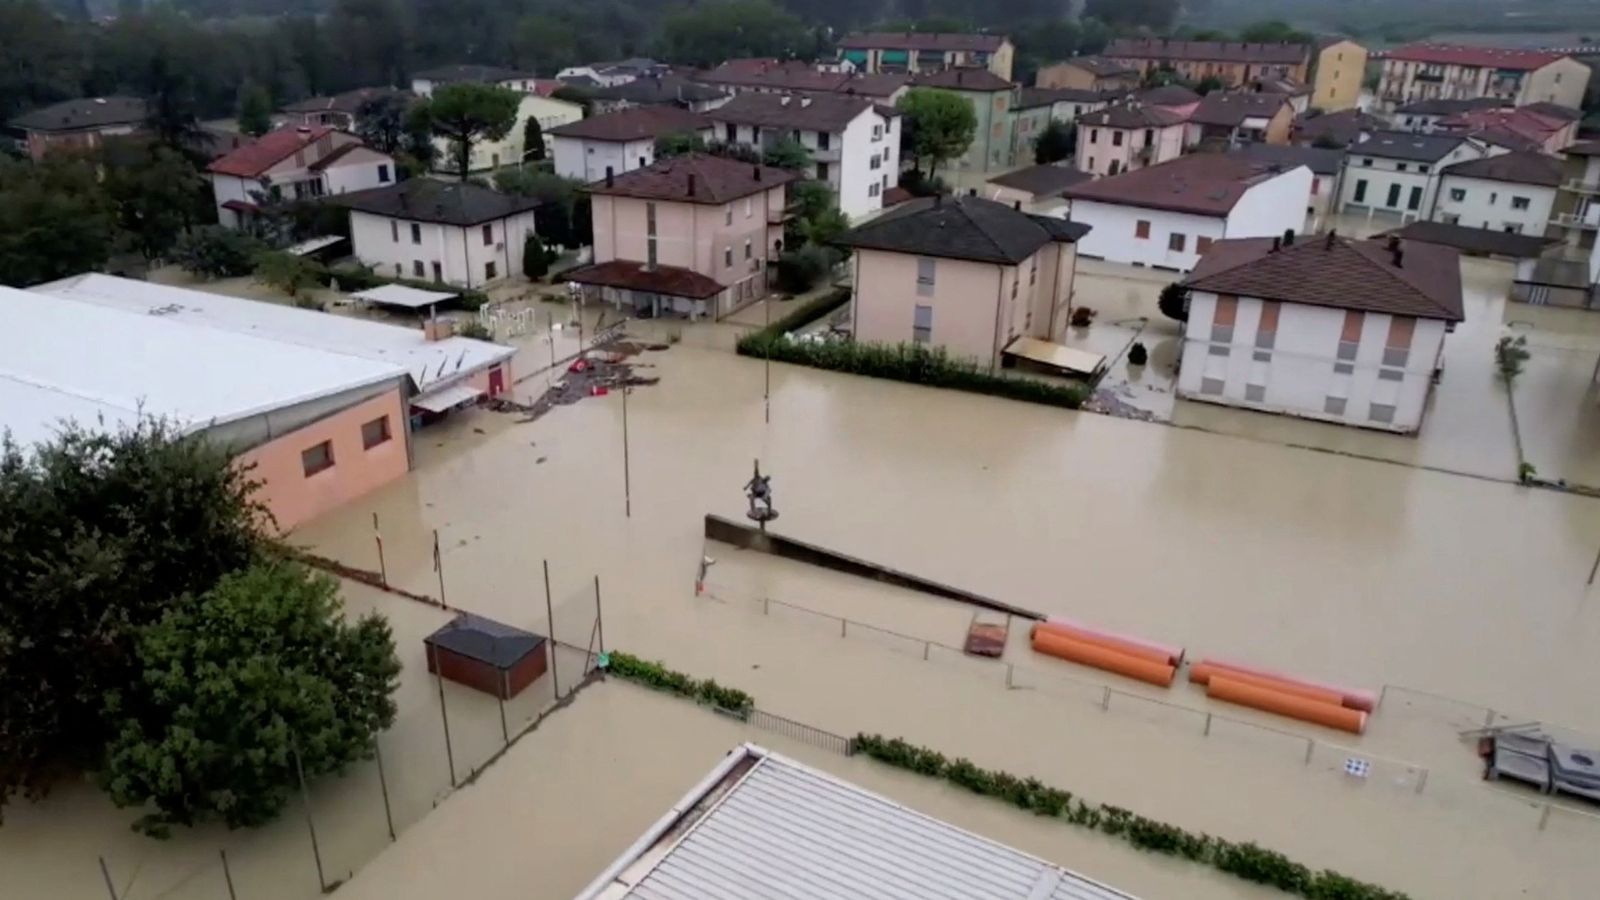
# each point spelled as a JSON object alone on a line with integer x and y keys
{"x": 285, "y": 271}
{"x": 1174, "y": 302}
{"x": 709, "y": 32}
{"x": 236, "y": 687}
{"x": 573, "y": 94}
{"x": 1208, "y": 84}
{"x": 255, "y": 109}
{"x": 156, "y": 194}
{"x": 217, "y": 252}
{"x": 787, "y": 153}
{"x": 55, "y": 220}
{"x": 535, "y": 259}
{"x": 532, "y": 140}
{"x": 464, "y": 114}
{"x": 817, "y": 219}
{"x": 1056, "y": 142}
{"x": 173, "y": 112}
{"x": 102, "y": 531}
{"x": 1274, "y": 32}
{"x": 1156, "y": 15}
{"x": 941, "y": 124}
{"x": 679, "y": 143}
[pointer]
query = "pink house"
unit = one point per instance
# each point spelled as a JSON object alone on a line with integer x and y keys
{"x": 1128, "y": 136}
{"x": 966, "y": 274}
{"x": 688, "y": 236}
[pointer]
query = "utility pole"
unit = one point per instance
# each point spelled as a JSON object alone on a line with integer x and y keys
{"x": 627, "y": 476}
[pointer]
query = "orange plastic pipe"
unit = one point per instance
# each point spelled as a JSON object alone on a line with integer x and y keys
{"x": 1129, "y": 646}
{"x": 1353, "y": 698}
{"x": 1054, "y": 643}
{"x": 1234, "y": 691}
{"x": 1202, "y": 673}
{"x": 1173, "y": 651}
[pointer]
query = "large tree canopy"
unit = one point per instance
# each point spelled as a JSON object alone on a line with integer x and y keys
{"x": 939, "y": 125}
{"x": 464, "y": 114}
{"x": 55, "y": 220}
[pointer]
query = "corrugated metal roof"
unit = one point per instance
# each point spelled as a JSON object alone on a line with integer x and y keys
{"x": 788, "y": 831}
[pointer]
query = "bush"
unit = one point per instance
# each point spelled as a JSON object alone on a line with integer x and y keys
{"x": 1174, "y": 302}
{"x": 217, "y": 252}
{"x": 1263, "y": 866}
{"x": 1509, "y": 355}
{"x": 657, "y": 675}
{"x": 1137, "y": 354}
{"x": 476, "y": 330}
{"x": 918, "y": 184}
{"x": 1082, "y": 316}
{"x": 535, "y": 259}
{"x": 800, "y": 270}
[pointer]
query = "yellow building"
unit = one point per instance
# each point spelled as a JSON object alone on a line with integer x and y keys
{"x": 1337, "y": 71}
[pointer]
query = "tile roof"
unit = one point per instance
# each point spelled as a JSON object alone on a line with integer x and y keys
{"x": 1207, "y": 51}
{"x": 1481, "y": 57}
{"x": 1231, "y": 109}
{"x": 1407, "y": 146}
{"x": 1534, "y": 126}
{"x": 1132, "y": 115}
{"x": 664, "y": 89}
{"x": 1286, "y": 86}
{"x": 920, "y": 40}
{"x": 1476, "y": 240}
{"x": 696, "y": 178}
{"x": 636, "y": 123}
{"x": 1337, "y": 272}
{"x": 826, "y": 112}
{"x": 1168, "y": 95}
{"x": 1099, "y": 65}
{"x": 347, "y": 102}
{"x": 1034, "y": 96}
{"x": 1207, "y": 184}
{"x": 1320, "y": 160}
{"x": 963, "y": 80}
{"x": 969, "y": 228}
{"x": 256, "y": 157}
{"x": 1044, "y": 181}
{"x": 1504, "y": 137}
{"x": 802, "y": 78}
{"x": 1555, "y": 111}
{"x": 1345, "y": 126}
{"x": 459, "y": 203}
{"x": 471, "y": 72}
{"x": 1443, "y": 107}
{"x": 1517, "y": 168}
{"x": 637, "y": 276}
{"x": 86, "y": 112}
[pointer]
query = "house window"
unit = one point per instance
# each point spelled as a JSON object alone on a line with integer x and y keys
{"x": 489, "y": 270}
{"x": 394, "y": 231}
{"x": 1344, "y": 368}
{"x": 727, "y": 214}
{"x": 1350, "y": 335}
{"x": 417, "y": 268}
{"x": 438, "y": 271}
{"x": 650, "y": 251}
{"x": 650, "y": 219}
{"x": 874, "y": 162}
{"x": 1397, "y": 348}
{"x": 1223, "y": 319}
{"x": 1394, "y": 196}
{"x": 1422, "y": 168}
{"x": 416, "y": 233}
{"x": 872, "y": 189}
{"x": 1267, "y": 330}
{"x": 1458, "y": 194}
{"x": 727, "y": 256}
{"x": 822, "y": 171}
{"x": 1391, "y": 375}
{"x": 1381, "y": 412}
{"x": 1141, "y": 229}
{"x": 1512, "y": 228}
{"x": 317, "y": 459}
{"x": 823, "y": 136}
{"x": 1333, "y": 406}
{"x": 925, "y": 276}
{"x": 1176, "y": 242}
{"x": 1255, "y": 393}
{"x": 749, "y": 207}
{"x": 1033, "y": 269}
{"x": 1361, "y": 191}
{"x": 731, "y": 131}
{"x": 1367, "y": 162}
{"x": 1212, "y": 386}
{"x": 1094, "y": 135}
{"x": 1116, "y": 139}
{"x": 1149, "y": 137}
{"x": 488, "y": 235}
{"x": 1400, "y": 167}
{"x": 1494, "y": 197}
{"x": 375, "y": 432}
{"x": 747, "y": 248}
{"x": 383, "y": 173}
{"x": 1416, "y": 199}
{"x": 1520, "y": 202}
{"x": 877, "y": 132}
{"x": 922, "y": 324}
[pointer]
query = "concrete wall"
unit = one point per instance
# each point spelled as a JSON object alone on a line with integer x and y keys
{"x": 1098, "y": 148}
{"x": 1491, "y": 204}
{"x": 294, "y": 497}
{"x": 1298, "y": 373}
{"x": 1336, "y": 81}
{"x": 1115, "y": 229}
{"x": 1564, "y": 81}
{"x": 587, "y": 159}
{"x": 386, "y": 244}
{"x": 1272, "y": 207}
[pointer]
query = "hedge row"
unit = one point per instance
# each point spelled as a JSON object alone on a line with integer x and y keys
{"x": 1246, "y": 860}
{"x": 657, "y": 675}
{"x": 911, "y": 363}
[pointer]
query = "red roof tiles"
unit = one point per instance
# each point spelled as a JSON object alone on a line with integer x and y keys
{"x": 1481, "y": 57}
{"x": 254, "y": 159}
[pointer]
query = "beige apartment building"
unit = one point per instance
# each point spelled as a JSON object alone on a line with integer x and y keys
{"x": 689, "y": 236}
{"x": 1088, "y": 73}
{"x": 1336, "y": 74}
{"x": 1443, "y": 72}
{"x": 1237, "y": 63}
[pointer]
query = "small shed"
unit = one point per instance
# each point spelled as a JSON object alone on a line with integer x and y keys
{"x": 487, "y": 655}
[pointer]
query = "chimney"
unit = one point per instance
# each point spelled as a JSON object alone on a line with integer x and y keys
{"x": 805, "y": 102}
{"x": 1331, "y": 235}
{"x": 436, "y": 329}
{"x": 1394, "y": 242}
{"x": 972, "y": 192}
{"x": 755, "y": 171}
{"x": 691, "y": 184}
{"x": 1288, "y": 237}
{"x": 1016, "y": 205}
{"x": 1399, "y": 255}
{"x": 611, "y": 178}
{"x": 1277, "y": 244}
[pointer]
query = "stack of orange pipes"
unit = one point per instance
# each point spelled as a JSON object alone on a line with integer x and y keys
{"x": 1297, "y": 698}
{"x": 1113, "y": 654}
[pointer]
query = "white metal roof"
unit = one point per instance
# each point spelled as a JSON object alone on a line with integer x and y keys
{"x": 430, "y": 363}
{"x": 401, "y": 295}
{"x": 446, "y": 398}
{"x": 785, "y": 830}
{"x": 63, "y": 360}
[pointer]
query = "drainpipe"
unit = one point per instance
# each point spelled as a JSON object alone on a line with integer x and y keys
{"x": 505, "y": 244}
{"x": 466, "y": 254}
{"x": 999, "y": 308}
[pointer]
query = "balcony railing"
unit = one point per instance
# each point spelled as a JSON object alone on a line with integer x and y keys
{"x": 1579, "y": 186}
{"x": 1589, "y": 220}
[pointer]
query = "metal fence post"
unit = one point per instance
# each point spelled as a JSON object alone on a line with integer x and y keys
{"x": 106, "y": 873}
{"x": 1208, "y": 725}
{"x": 383, "y": 784}
{"x": 599, "y": 620}
{"x": 227, "y": 875}
{"x": 550, "y": 617}
{"x": 1105, "y": 700}
{"x": 500, "y": 697}
{"x": 1311, "y": 747}
{"x": 444, "y": 715}
{"x": 438, "y": 566}
{"x": 305, "y": 800}
{"x": 377, "y": 536}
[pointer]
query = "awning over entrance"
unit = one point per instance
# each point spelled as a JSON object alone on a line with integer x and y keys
{"x": 402, "y": 296}
{"x": 447, "y": 398}
{"x": 1066, "y": 359}
{"x": 627, "y": 274}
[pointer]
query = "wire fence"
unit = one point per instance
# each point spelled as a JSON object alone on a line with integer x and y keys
{"x": 1317, "y": 756}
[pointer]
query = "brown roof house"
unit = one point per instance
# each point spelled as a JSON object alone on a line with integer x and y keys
{"x": 1041, "y": 189}
{"x": 293, "y": 164}
{"x": 1231, "y": 119}
{"x": 688, "y": 236}
{"x": 1089, "y": 73}
{"x": 1347, "y": 331}
{"x": 1167, "y": 216}
{"x": 1512, "y": 192}
{"x": 965, "y": 274}
{"x": 78, "y": 124}
{"x": 620, "y": 141}
{"x": 1128, "y": 136}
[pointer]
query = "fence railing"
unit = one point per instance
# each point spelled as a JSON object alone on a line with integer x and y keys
{"x": 799, "y": 731}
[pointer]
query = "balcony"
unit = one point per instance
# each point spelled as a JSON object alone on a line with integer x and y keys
{"x": 828, "y": 155}
{"x": 1579, "y": 186}
{"x": 1587, "y": 221}
{"x": 784, "y": 213}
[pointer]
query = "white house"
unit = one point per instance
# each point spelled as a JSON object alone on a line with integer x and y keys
{"x": 1167, "y": 216}
{"x": 1128, "y": 136}
{"x": 1326, "y": 328}
{"x": 293, "y": 164}
{"x": 508, "y": 151}
{"x": 854, "y": 142}
{"x": 1513, "y": 192}
{"x": 449, "y": 232}
{"x": 1397, "y": 172}
{"x": 1325, "y": 164}
{"x": 620, "y": 141}
{"x": 423, "y": 83}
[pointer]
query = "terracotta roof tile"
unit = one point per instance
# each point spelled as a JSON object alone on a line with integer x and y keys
{"x": 1206, "y": 184}
{"x": 828, "y": 112}
{"x": 88, "y": 112}
{"x": 636, "y": 123}
{"x": 1132, "y": 115}
{"x": 1516, "y": 168}
{"x": 457, "y": 203}
{"x": 1481, "y": 57}
{"x": 697, "y": 178}
{"x": 970, "y": 228}
{"x": 963, "y": 80}
{"x": 637, "y": 276}
{"x": 255, "y": 158}
{"x": 1045, "y": 180}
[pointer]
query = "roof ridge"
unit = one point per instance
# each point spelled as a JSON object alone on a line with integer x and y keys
{"x": 1393, "y": 274}
{"x": 965, "y": 211}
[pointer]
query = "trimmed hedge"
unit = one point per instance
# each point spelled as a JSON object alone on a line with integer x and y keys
{"x": 657, "y": 675}
{"x": 1245, "y": 860}
{"x": 911, "y": 363}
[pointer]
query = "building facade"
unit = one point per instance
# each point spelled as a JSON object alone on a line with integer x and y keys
{"x": 293, "y": 164}
{"x": 917, "y": 51}
{"x": 1167, "y": 216}
{"x": 1325, "y": 328}
{"x": 1128, "y": 136}
{"x": 620, "y": 141}
{"x": 854, "y": 143}
{"x": 991, "y": 98}
{"x": 78, "y": 125}
{"x": 1236, "y": 63}
{"x": 1088, "y": 73}
{"x": 1575, "y": 216}
{"x": 341, "y": 111}
{"x": 1225, "y": 120}
{"x": 487, "y": 156}
{"x": 1512, "y": 192}
{"x": 964, "y": 274}
{"x": 454, "y": 233}
{"x": 1398, "y": 173}
{"x": 1337, "y": 73}
{"x": 425, "y": 82}
{"x": 1444, "y": 72}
